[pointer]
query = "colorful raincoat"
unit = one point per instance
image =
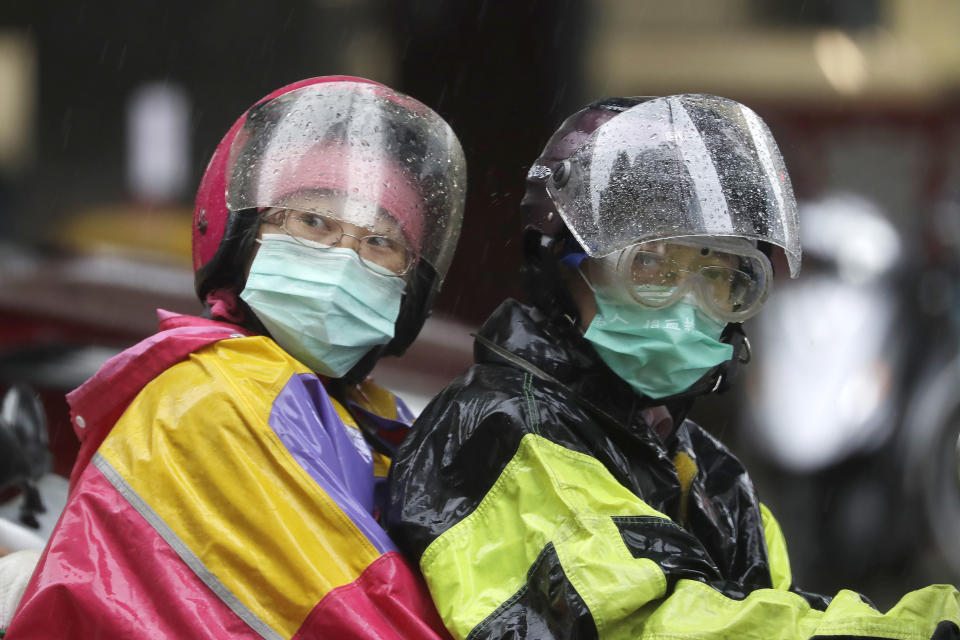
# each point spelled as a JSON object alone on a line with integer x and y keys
{"x": 540, "y": 503}
{"x": 222, "y": 493}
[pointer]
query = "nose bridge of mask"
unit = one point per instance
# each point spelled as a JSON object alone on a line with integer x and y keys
{"x": 337, "y": 266}
{"x": 286, "y": 246}
{"x": 332, "y": 273}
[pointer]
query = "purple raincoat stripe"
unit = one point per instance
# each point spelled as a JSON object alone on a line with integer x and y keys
{"x": 404, "y": 414}
{"x": 333, "y": 454}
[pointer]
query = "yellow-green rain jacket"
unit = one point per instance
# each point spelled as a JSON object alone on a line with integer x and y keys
{"x": 543, "y": 506}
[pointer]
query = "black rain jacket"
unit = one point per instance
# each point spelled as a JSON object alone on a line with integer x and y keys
{"x": 540, "y": 504}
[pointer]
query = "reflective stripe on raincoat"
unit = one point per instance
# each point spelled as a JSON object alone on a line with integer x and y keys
{"x": 226, "y": 495}
{"x": 546, "y": 507}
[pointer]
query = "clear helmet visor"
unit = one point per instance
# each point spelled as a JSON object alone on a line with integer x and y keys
{"x": 687, "y": 165}
{"x": 362, "y": 154}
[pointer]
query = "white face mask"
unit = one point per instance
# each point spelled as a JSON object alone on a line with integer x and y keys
{"x": 321, "y": 304}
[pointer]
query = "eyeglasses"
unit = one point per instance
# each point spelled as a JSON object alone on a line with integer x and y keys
{"x": 383, "y": 254}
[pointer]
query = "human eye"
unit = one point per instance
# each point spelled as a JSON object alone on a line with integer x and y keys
{"x": 716, "y": 273}
{"x": 314, "y": 226}
{"x": 385, "y": 252}
{"x": 384, "y": 246}
{"x": 714, "y": 258}
{"x": 379, "y": 242}
{"x": 274, "y": 216}
{"x": 315, "y": 221}
{"x": 647, "y": 260}
{"x": 650, "y": 268}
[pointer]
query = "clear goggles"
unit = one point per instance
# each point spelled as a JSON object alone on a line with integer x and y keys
{"x": 729, "y": 277}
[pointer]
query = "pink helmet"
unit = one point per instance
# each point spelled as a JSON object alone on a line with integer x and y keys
{"x": 210, "y": 212}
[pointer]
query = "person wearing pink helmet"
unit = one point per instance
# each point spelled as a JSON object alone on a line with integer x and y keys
{"x": 232, "y": 466}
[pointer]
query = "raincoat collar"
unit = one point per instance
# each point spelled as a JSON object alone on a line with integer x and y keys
{"x": 562, "y": 353}
{"x": 99, "y": 402}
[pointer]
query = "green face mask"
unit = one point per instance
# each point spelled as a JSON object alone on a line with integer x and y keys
{"x": 322, "y": 306}
{"x": 659, "y": 352}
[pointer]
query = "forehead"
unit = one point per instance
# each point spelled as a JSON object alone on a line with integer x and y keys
{"x": 348, "y": 208}
{"x": 689, "y": 251}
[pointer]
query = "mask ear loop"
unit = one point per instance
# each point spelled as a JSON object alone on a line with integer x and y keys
{"x": 574, "y": 260}
{"x": 573, "y": 321}
{"x": 586, "y": 280}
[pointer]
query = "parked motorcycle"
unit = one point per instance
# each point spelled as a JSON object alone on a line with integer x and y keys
{"x": 24, "y": 449}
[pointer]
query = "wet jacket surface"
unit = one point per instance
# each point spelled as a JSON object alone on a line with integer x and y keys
{"x": 221, "y": 492}
{"x": 543, "y": 506}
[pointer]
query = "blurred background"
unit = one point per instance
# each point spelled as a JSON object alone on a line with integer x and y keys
{"x": 848, "y": 415}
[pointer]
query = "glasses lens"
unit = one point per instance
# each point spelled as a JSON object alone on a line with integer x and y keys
{"x": 382, "y": 253}
{"x": 314, "y": 227}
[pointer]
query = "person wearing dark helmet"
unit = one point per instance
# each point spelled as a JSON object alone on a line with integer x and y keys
{"x": 232, "y": 466}
{"x": 556, "y": 490}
